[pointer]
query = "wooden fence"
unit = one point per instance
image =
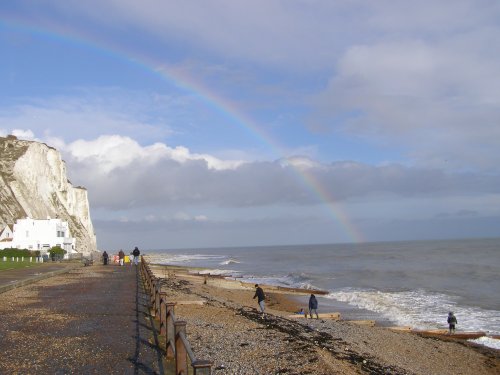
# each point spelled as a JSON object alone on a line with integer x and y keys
{"x": 177, "y": 346}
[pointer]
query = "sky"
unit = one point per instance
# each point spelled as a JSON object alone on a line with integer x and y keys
{"x": 221, "y": 123}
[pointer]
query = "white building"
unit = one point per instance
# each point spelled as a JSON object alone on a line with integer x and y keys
{"x": 6, "y": 235}
{"x": 41, "y": 235}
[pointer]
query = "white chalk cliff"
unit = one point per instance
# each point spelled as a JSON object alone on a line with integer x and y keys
{"x": 33, "y": 183}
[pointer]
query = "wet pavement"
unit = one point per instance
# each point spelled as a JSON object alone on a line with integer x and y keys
{"x": 89, "y": 320}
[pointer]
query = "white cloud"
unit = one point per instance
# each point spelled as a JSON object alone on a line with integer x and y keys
{"x": 305, "y": 34}
{"x": 23, "y": 134}
{"x": 182, "y": 216}
{"x": 92, "y": 112}
{"x": 438, "y": 99}
{"x": 111, "y": 152}
{"x": 121, "y": 174}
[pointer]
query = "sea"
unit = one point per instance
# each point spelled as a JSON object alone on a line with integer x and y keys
{"x": 414, "y": 283}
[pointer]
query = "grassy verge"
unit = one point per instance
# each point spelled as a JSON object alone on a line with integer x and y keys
{"x": 9, "y": 265}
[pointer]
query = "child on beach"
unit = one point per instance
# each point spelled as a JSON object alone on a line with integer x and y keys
{"x": 259, "y": 294}
{"x": 452, "y": 320}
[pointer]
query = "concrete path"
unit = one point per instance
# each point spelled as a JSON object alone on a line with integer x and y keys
{"x": 90, "y": 320}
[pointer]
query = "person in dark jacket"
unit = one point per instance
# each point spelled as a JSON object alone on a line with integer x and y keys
{"x": 259, "y": 294}
{"x": 313, "y": 306}
{"x": 136, "y": 254}
{"x": 105, "y": 258}
{"x": 452, "y": 320}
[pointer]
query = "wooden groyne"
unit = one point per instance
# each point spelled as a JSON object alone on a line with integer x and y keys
{"x": 177, "y": 346}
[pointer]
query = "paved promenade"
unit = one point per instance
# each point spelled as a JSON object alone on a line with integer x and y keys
{"x": 88, "y": 320}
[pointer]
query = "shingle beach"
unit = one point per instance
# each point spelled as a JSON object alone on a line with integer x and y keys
{"x": 94, "y": 320}
{"x": 228, "y": 329}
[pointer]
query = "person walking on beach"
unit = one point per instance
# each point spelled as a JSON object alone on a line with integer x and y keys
{"x": 452, "y": 320}
{"x": 259, "y": 294}
{"x": 136, "y": 253}
{"x": 105, "y": 258}
{"x": 121, "y": 256}
{"x": 313, "y": 306}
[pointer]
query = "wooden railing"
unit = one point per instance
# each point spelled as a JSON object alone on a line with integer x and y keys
{"x": 177, "y": 346}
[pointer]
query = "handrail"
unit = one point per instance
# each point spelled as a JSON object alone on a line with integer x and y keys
{"x": 177, "y": 346}
{"x": 189, "y": 351}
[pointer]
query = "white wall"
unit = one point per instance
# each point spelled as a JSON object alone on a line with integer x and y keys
{"x": 41, "y": 235}
{"x": 6, "y": 233}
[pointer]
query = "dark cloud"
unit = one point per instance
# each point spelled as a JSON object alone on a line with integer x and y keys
{"x": 143, "y": 183}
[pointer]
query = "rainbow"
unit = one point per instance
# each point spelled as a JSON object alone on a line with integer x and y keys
{"x": 211, "y": 99}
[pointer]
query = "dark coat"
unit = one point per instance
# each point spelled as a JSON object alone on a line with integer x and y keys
{"x": 136, "y": 252}
{"x": 313, "y": 303}
{"x": 259, "y": 293}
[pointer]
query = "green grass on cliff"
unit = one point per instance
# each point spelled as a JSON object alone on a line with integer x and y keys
{"x": 10, "y": 265}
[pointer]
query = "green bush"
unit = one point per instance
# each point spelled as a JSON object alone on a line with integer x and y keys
{"x": 11, "y": 252}
{"x": 57, "y": 252}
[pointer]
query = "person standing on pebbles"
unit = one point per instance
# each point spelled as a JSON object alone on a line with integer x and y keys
{"x": 452, "y": 320}
{"x": 259, "y": 294}
{"x": 313, "y": 306}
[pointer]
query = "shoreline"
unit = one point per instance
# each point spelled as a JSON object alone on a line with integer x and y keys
{"x": 293, "y": 299}
{"x": 215, "y": 307}
{"x": 290, "y": 300}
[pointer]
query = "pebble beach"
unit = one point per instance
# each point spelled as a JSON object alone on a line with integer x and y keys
{"x": 224, "y": 326}
{"x": 96, "y": 320}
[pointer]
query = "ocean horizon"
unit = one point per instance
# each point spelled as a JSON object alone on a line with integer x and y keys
{"x": 405, "y": 283}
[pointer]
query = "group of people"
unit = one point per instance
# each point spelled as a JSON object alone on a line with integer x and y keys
{"x": 134, "y": 257}
{"x": 261, "y": 297}
{"x": 313, "y": 308}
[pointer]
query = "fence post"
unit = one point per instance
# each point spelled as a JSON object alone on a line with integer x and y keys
{"x": 157, "y": 297}
{"x": 169, "y": 329}
{"x": 163, "y": 313}
{"x": 202, "y": 367}
{"x": 180, "y": 350}
{"x": 150, "y": 283}
{"x": 152, "y": 297}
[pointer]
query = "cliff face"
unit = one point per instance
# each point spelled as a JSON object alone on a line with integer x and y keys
{"x": 33, "y": 183}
